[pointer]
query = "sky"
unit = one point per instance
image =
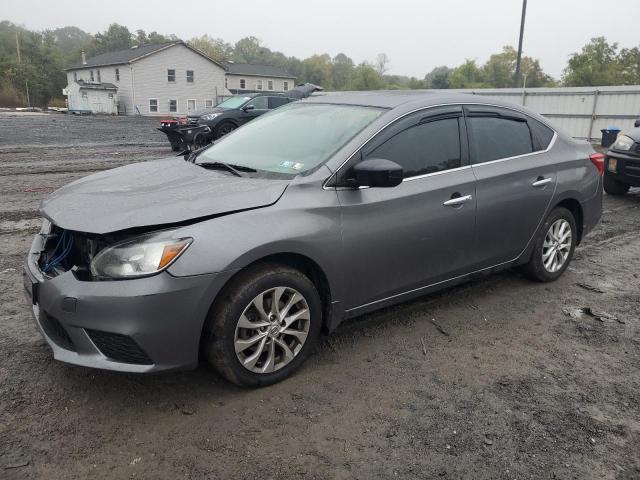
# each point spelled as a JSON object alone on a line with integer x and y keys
{"x": 416, "y": 35}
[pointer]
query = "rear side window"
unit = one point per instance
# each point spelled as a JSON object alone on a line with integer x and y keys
{"x": 423, "y": 148}
{"x": 542, "y": 134}
{"x": 493, "y": 138}
{"x": 275, "y": 102}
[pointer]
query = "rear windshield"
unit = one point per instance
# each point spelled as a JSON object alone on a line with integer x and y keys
{"x": 293, "y": 139}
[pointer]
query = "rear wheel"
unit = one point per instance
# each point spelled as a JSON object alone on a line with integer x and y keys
{"x": 263, "y": 326}
{"x": 613, "y": 186}
{"x": 554, "y": 246}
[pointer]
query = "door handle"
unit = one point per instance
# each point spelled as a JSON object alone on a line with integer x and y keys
{"x": 541, "y": 182}
{"x": 455, "y": 201}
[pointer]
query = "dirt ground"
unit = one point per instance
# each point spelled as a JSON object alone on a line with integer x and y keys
{"x": 498, "y": 379}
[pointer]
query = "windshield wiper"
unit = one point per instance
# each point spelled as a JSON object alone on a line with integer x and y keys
{"x": 235, "y": 169}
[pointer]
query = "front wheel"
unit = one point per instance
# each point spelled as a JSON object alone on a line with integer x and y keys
{"x": 263, "y": 326}
{"x": 613, "y": 186}
{"x": 225, "y": 128}
{"x": 554, "y": 246}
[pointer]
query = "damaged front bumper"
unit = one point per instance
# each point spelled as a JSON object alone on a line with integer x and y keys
{"x": 135, "y": 325}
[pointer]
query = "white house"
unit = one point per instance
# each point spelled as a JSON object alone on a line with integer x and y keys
{"x": 246, "y": 78}
{"x": 170, "y": 78}
{"x": 166, "y": 79}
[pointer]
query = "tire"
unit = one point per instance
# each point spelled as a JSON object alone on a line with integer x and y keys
{"x": 236, "y": 309}
{"x": 224, "y": 129}
{"x": 200, "y": 141}
{"x": 613, "y": 186}
{"x": 536, "y": 268}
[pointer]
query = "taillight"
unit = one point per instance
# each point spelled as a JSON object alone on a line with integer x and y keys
{"x": 598, "y": 160}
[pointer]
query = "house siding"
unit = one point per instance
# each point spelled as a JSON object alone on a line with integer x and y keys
{"x": 149, "y": 79}
{"x": 233, "y": 82}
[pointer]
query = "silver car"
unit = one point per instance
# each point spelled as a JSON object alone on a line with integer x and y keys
{"x": 321, "y": 210}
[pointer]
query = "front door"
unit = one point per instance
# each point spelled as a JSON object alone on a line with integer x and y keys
{"x": 421, "y": 231}
{"x": 191, "y": 106}
{"x": 516, "y": 181}
{"x": 254, "y": 108}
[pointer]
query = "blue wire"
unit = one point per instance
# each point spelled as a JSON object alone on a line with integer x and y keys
{"x": 67, "y": 241}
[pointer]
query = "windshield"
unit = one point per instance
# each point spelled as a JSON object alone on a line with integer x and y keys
{"x": 292, "y": 139}
{"x": 233, "y": 102}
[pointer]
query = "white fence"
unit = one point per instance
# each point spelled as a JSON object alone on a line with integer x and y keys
{"x": 579, "y": 111}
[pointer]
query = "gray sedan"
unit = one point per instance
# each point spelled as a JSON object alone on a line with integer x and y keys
{"x": 321, "y": 210}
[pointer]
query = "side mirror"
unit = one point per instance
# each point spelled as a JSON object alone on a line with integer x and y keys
{"x": 637, "y": 123}
{"x": 249, "y": 107}
{"x": 376, "y": 172}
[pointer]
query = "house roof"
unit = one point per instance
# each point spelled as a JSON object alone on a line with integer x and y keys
{"x": 252, "y": 70}
{"x": 97, "y": 85}
{"x": 131, "y": 55}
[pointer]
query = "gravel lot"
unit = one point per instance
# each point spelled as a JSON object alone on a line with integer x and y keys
{"x": 499, "y": 378}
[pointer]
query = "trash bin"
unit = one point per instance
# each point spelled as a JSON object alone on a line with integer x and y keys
{"x": 609, "y": 136}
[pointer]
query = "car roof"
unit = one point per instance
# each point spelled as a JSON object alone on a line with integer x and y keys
{"x": 395, "y": 98}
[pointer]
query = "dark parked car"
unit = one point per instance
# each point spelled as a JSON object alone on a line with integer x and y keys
{"x": 623, "y": 163}
{"x": 236, "y": 111}
{"x": 321, "y": 210}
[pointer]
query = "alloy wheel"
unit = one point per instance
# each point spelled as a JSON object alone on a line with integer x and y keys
{"x": 272, "y": 330}
{"x": 557, "y": 245}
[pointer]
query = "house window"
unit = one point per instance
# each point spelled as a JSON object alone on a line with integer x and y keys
{"x": 91, "y": 75}
{"x": 173, "y": 106}
{"x": 111, "y": 95}
{"x": 99, "y": 79}
{"x": 226, "y": 82}
{"x": 286, "y": 86}
{"x": 75, "y": 76}
{"x": 153, "y": 105}
{"x": 243, "y": 84}
{"x": 208, "y": 103}
{"x": 259, "y": 84}
{"x": 189, "y": 76}
{"x": 117, "y": 74}
{"x": 270, "y": 84}
{"x": 171, "y": 75}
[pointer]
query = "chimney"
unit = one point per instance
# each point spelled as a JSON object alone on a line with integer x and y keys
{"x": 84, "y": 58}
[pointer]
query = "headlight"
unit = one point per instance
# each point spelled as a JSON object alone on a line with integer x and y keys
{"x": 623, "y": 143}
{"x": 140, "y": 256}
{"x": 210, "y": 116}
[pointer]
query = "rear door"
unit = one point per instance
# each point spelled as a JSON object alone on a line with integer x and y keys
{"x": 516, "y": 180}
{"x": 421, "y": 231}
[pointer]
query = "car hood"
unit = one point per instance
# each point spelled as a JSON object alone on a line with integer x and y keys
{"x": 207, "y": 111}
{"x": 153, "y": 194}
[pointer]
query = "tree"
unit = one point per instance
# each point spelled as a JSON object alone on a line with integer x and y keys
{"x": 215, "y": 48}
{"x": 116, "y": 37}
{"x": 342, "y": 67}
{"x": 597, "y": 64}
{"x": 381, "y": 63}
{"x": 629, "y": 59}
{"x": 250, "y": 50}
{"x": 467, "y": 75}
{"x": 365, "y": 77}
{"x": 319, "y": 70}
{"x": 438, "y": 77}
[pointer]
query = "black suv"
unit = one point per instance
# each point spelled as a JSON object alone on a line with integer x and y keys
{"x": 236, "y": 111}
{"x": 622, "y": 164}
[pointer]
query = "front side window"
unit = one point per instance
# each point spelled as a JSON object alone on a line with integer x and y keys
{"x": 426, "y": 147}
{"x": 173, "y": 106}
{"x": 285, "y": 87}
{"x": 292, "y": 139}
{"x": 117, "y": 74}
{"x": 495, "y": 137}
{"x": 275, "y": 102}
{"x": 189, "y": 76}
{"x": 259, "y": 103}
{"x": 171, "y": 75}
{"x": 258, "y": 84}
{"x": 243, "y": 84}
{"x": 153, "y": 105}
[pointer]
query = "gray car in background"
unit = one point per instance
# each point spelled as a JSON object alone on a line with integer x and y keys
{"x": 321, "y": 210}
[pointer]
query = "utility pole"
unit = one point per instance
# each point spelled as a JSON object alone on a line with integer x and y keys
{"x": 26, "y": 82}
{"x": 519, "y": 59}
